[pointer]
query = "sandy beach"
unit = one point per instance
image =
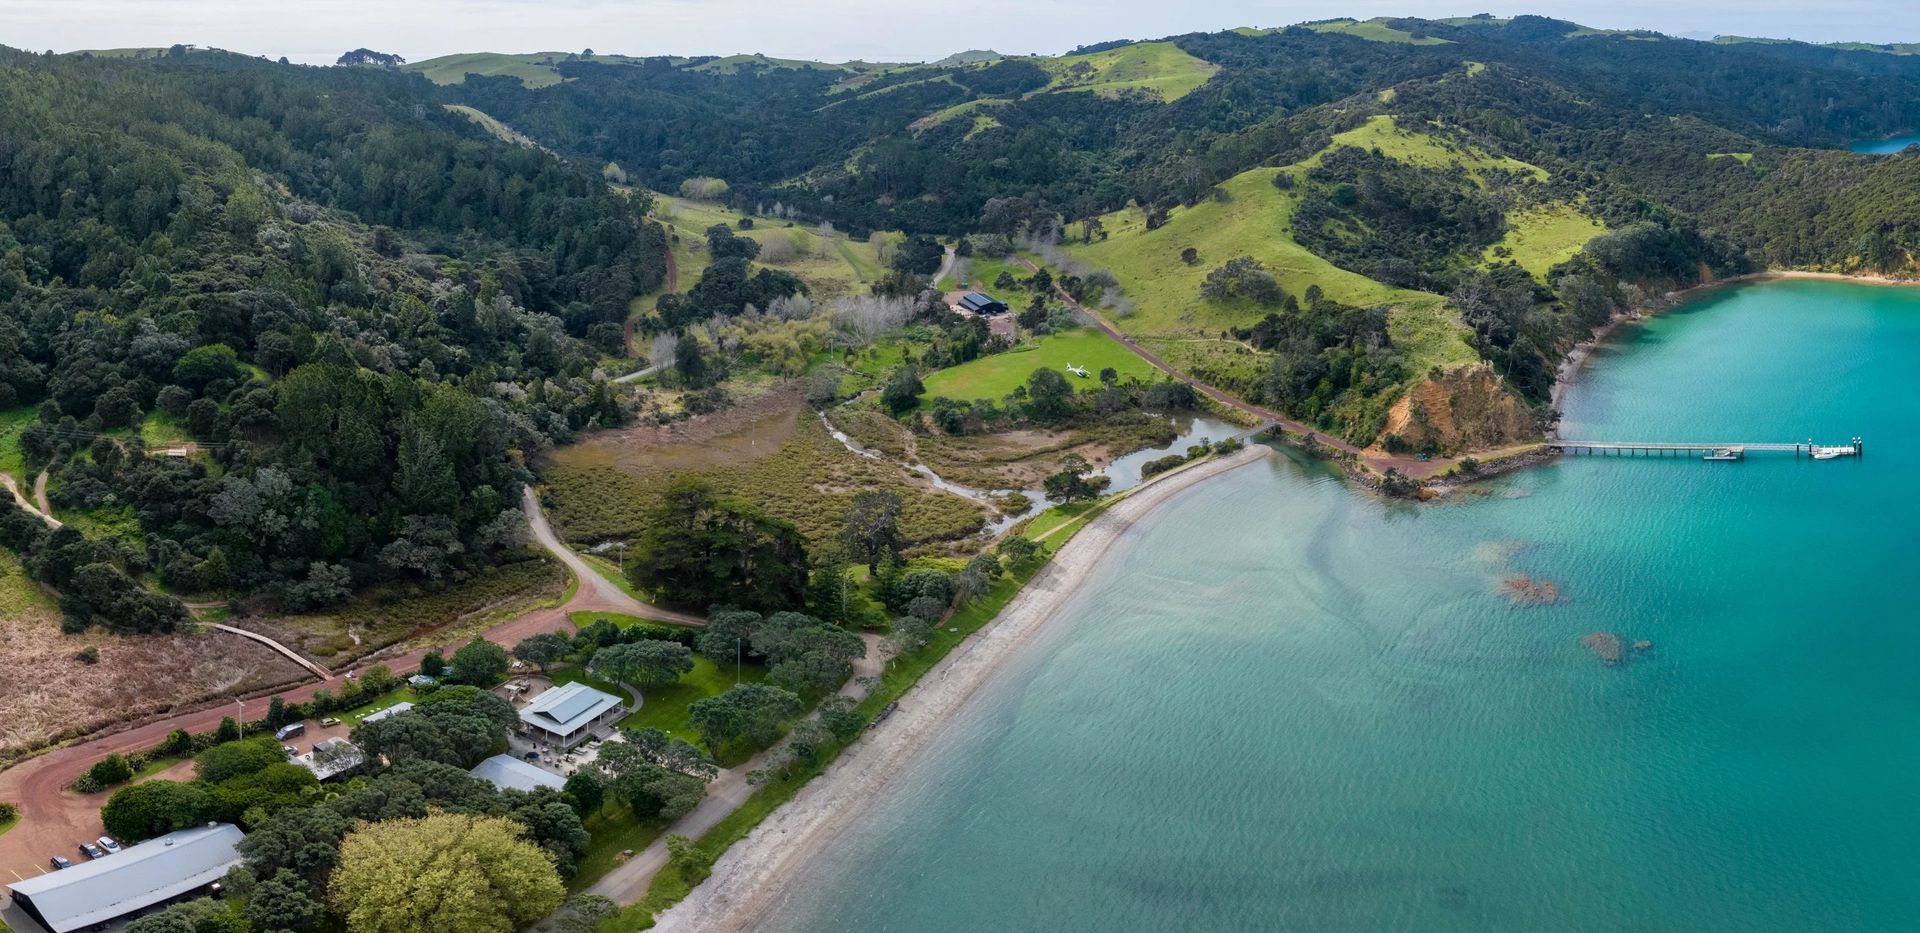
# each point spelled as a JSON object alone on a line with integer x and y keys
{"x": 754, "y": 876}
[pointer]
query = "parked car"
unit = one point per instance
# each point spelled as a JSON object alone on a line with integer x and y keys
{"x": 290, "y": 730}
{"x": 329, "y": 722}
{"x": 107, "y": 843}
{"x": 59, "y": 862}
{"x": 90, "y": 850}
{"x": 290, "y": 750}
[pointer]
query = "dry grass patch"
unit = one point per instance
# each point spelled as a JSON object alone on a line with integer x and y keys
{"x": 388, "y": 615}
{"x": 48, "y": 694}
{"x": 775, "y": 454}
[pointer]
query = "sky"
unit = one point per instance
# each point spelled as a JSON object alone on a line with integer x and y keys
{"x": 317, "y": 31}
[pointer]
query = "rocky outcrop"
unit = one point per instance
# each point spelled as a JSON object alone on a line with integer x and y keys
{"x": 1459, "y": 410}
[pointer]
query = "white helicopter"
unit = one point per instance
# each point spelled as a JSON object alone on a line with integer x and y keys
{"x": 1078, "y": 371}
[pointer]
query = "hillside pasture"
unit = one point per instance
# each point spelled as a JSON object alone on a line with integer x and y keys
{"x": 1540, "y": 238}
{"x": 1162, "y": 69}
{"x": 995, "y": 375}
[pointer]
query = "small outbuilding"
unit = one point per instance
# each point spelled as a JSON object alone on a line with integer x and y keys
{"x": 566, "y": 715}
{"x": 175, "y": 867}
{"x": 509, "y": 773}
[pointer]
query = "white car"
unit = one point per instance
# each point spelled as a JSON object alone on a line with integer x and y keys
{"x": 107, "y": 843}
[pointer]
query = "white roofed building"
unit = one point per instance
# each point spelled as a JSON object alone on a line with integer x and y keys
{"x": 175, "y": 867}
{"x": 567, "y": 715}
{"x": 509, "y": 773}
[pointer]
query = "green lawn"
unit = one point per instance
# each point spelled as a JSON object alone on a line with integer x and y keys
{"x": 12, "y": 422}
{"x": 1162, "y": 68}
{"x": 614, "y": 830}
{"x": 992, "y": 377}
{"x": 665, "y": 708}
{"x": 395, "y": 698}
{"x": 1375, "y": 30}
{"x": 1542, "y": 237}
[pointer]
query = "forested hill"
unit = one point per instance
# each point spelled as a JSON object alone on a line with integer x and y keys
{"x": 368, "y": 315}
{"x": 924, "y": 147}
{"x": 1490, "y": 189}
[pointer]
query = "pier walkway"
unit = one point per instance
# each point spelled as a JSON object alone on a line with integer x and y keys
{"x": 1854, "y": 447}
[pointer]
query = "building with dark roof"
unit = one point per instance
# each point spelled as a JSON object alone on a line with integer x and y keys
{"x": 175, "y": 867}
{"x": 980, "y": 303}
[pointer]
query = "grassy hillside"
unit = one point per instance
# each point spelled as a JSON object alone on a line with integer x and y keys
{"x": 534, "y": 69}
{"x": 1542, "y": 237}
{"x": 1374, "y": 30}
{"x": 1383, "y": 132}
{"x": 831, "y": 265}
{"x": 1161, "y": 68}
{"x": 733, "y": 63}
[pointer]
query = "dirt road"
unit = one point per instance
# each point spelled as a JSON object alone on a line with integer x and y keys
{"x": 53, "y": 820}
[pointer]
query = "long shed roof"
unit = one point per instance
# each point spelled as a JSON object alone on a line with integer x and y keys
{"x": 138, "y": 876}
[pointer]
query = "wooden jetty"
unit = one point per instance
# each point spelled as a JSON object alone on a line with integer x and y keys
{"x": 1732, "y": 450}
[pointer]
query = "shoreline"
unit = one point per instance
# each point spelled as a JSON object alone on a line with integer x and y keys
{"x": 751, "y": 880}
{"x": 1576, "y": 359}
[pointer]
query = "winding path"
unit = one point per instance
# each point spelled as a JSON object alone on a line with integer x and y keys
{"x": 53, "y": 819}
{"x": 23, "y": 502}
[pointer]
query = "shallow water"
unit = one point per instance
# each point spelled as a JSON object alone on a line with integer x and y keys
{"x": 1886, "y": 146}
{"x": 1282, "y": 704}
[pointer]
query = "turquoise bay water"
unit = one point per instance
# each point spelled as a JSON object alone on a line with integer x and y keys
{"x": 1886, "y": 146}
{"x": 1284, "y": 705}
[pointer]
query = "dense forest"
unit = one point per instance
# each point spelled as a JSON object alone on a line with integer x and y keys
{"x": 1637, "y": 111}
{"x": 365, "y": 319}
{"x": 371, "y": 317}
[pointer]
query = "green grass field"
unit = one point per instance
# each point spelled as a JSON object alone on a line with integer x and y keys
{"x": 1253, "y": 221}
{"x": 1375, "y": 30}
{"x": 1161, "y": 68}
{"x": 1383, "y": 132}
{"x": 391, "y": 700}
{"x": 830, "y": 265}
{"x": 731, "y": 64}
{"x": 982, "y": 272}
{"x": 992, "y": 377}
{"x": 534, "y": 69}
{"x": 12, "y": 422}
{"x": 1542, "y": 237}
{"x": 665, "y": 708}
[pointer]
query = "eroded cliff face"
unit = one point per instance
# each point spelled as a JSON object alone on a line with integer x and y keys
{"x": 1462, "y": 410}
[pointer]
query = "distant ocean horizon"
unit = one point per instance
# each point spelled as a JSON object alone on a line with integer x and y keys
{"x": 1283, "y": 703}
